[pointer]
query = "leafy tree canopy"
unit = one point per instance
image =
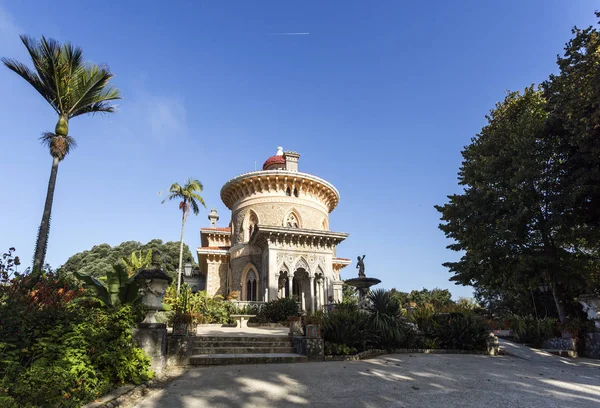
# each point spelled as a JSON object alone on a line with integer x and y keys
{"x": 99, "y": 260}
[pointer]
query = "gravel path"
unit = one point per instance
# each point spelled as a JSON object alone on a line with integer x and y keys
{"x": 405, "y": 380}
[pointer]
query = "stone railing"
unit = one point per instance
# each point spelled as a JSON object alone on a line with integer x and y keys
{"x": 248, "y": 303}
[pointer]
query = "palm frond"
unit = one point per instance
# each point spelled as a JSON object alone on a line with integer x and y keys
{"x": 92, "y": 92}
{"x": 31, "y": 77}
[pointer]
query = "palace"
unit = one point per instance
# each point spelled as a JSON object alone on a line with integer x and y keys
{"x": 278, "y": 242}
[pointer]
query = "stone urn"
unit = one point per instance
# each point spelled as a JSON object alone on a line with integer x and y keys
{"x": 591, "y": 306}
{"x": 153, "y": 283}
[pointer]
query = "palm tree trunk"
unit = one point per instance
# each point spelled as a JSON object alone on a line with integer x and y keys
{"x": 44, "y": 231}
{"x": 180, "y": 254}
{"x": 560, "y": 307}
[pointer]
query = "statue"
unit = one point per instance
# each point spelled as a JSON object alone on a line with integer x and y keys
{"x": 361, "y": 266}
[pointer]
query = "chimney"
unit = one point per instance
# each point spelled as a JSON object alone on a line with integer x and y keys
{"x": 291, "y": 160}
{"x": 213, "y": 217}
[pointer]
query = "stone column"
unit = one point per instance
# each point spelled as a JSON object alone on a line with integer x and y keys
{"x": 273, "y": 282}
{"x": 289, "y": 283}
{"x": 311, "y": 279}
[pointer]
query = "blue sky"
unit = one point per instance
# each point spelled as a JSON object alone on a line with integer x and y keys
{"x": 379, "y": 99}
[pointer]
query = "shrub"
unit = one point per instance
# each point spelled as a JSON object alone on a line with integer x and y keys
{"x": 461, "y": 332}
{"x": 56, "y": 352}
{"x": 528, "y": 329}
{"x": 384, "y": 319}
{"x": 278, "y": 310}
{"x": 200, "y": 307}
{"x": 339, "y": 349}
{"x": 348, "y": 326}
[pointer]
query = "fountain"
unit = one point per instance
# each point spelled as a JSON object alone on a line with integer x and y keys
{"x": 362, "y": 283}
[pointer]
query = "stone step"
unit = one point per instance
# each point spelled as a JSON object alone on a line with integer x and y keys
{"x": 245, "y": 358}
{"x": 242, "y": 350}
{"x": 244, "y": 339}
{"x": 226, "y": 343}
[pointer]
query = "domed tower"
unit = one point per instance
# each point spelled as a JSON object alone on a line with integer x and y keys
{"x": 280, "y": 243}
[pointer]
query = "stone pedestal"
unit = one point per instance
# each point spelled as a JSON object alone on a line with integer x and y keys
{"x": 152, "y": 338}
{"x": 179, "y": 350}
{"x": 493, "y": 345}
{"x": 592, "y": 345}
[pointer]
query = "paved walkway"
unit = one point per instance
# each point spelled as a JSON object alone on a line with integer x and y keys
{"x": 401, "y": 380}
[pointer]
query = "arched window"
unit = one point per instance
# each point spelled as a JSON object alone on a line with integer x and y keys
{"x": 252, "y": 222}
{"x": 292, "y": 221}
{"x": 251, "y": 288}
{"x": 288, "y": 192}
{"x": 295, "y": 192}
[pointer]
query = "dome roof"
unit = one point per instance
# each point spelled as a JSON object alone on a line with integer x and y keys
{"x": 273, "y": 160}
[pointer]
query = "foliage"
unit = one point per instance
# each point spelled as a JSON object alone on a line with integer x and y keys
{"x": 57, "y": 352}
{"x": 339, "y": 349}
{"x": 72, "y": 87}
{"x": 349, "y": 294}
{"x": 137, "y": 261}
{"x": 201, "y": 308}
{"x": 508, "y": 221}
{"x": 384, "y": 318}
{"x": 573, "y": 99}
{"x": 530, "y": 210}
{"x": 119, "y": 288}
{"x": 99, "y": 260}
{"x": 348, "y": 326}
{"x": 8, "y": 264}
{"x": 461, "y": 332}
{"x": 278, "y": 310}
{"x": 528, "y": 329}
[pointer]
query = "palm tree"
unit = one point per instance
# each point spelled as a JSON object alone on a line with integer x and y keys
{"x": 190, "y": 198}
{"x": 72, "y": 87}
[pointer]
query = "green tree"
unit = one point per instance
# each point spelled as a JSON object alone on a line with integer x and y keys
{"x": 188, "y": 194}
{"x": 436, "y": 297}
{"x": 72, "y": 87}
{"x": 573, "y": 97}
{"x": 507, "y": 221}
{"x": 99, "y": 260}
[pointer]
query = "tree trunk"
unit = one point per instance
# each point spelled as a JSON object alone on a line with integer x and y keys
{"x": 180, "y": 254}
{"x": 44, "y": 231}
{"x": 560, "y": 307}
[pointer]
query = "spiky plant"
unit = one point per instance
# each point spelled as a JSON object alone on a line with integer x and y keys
{"x": 188, "y": 194}
{"x": 72, "y": 87}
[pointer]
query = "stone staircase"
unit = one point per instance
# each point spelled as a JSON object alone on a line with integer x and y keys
{"x": 222, "y": 350}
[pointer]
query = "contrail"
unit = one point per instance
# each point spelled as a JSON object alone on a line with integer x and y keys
{"x": 290, "y": 34}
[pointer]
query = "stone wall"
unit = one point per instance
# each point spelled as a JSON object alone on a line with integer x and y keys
{"x": 216, "y": 278}
{"x": 560, "y": 343}
{"x": 237, "y": 267}
{"x": 273, "y": 213}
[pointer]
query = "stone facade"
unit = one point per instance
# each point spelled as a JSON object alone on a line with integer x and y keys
{"x": 278, "y": 241}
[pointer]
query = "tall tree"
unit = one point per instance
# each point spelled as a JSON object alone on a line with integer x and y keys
{"x": 188, "y": 194}
{"x": 508, "y": 222}
{"x": 72, "y": 87}
{"x": 574, "y": 102}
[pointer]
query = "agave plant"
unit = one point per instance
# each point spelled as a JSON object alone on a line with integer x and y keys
{"x": 119, "y": 288}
